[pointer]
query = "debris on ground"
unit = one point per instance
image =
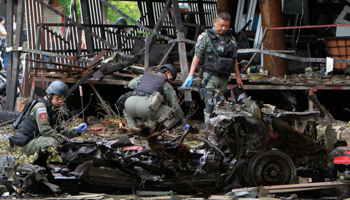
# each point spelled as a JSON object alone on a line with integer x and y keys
{"x": 245, "y": 146}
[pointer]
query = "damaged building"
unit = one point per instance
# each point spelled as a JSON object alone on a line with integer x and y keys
{"x": 279, "y": 134}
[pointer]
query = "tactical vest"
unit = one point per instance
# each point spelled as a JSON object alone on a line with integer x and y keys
{"x": 29, "y": 127}
{"x": 222, "y": 54}
{"x": 152, "y": 82}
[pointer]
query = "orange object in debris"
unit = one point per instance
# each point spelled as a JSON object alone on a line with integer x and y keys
{"x": 95, "y": 129}
{"x": 339, "y": 47}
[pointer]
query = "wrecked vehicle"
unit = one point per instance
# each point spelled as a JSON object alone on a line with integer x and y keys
{"x": 273, "y": 146}
{"x": 246, "y": 144}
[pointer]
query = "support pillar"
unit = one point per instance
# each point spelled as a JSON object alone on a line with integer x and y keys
{"x": 85, "y": 12}
{"x": 12, "y": 77}
{"x": 271, "y": 16}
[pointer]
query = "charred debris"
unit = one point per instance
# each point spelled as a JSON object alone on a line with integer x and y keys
{"x": 248, "y": 149}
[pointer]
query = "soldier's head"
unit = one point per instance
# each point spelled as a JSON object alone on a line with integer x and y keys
{"x": 170, "y": 71}
{"x": 57, "y": 93}
{"x": 121, "y": 21}
{"x": 222, "y": 22}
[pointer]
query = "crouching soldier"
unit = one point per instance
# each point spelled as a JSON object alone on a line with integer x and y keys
{"x": 153, "y": 98}
{"x": 39, "y": 123}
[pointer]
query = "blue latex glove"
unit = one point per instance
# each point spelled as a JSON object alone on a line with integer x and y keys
{"x": 186, "y": 127}
{"x": 81, "y": 128}
{"x": 67, "y": 140}
{"x": 187, "y": 82}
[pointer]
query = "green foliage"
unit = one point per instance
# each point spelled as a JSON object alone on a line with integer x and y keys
{"x": 128, "y": 7}
{"x": 143, "y": 33}
{"x": 65, "y": 5}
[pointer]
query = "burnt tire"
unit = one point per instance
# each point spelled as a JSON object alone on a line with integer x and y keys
{"x": 271, "y": 168}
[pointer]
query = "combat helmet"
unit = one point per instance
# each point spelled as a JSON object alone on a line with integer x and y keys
{"x": 58, "y": 88}
{"x": 169, "y": 67}
{"x": 122, "y": 22}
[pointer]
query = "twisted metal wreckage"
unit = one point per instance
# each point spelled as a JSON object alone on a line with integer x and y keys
{"x": 246, "y": 144}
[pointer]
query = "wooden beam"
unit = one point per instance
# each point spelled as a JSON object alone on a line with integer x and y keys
{"x": 146, "y": 59}
{"x": 9, "y": 19}
{"x": 85, "y": 12}
{"x": 12, "y": 78}
{"x": 180, "y": 36}
{"x": 160, "y": 20}
{"x": 159, "y": 23}
{"x": 201, "y": 9}
{"x": 150, "y": 13}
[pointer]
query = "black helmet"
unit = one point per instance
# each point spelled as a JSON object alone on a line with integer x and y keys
{"x": 58, "y": 88}
{"x": 169, "y": 67}
{"x": 121, "y": 21}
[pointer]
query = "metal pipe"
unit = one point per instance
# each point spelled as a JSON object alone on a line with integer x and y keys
{"x": 82, "y": 103}
{"x": 309, "y": 26}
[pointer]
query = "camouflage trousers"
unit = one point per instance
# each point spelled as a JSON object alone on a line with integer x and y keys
{"x": 36, "y": 144}
{"x": 214, "y": 82}
{"x": 137, "y": 107}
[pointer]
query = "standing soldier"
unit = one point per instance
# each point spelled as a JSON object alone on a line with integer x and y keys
{"x": 216, "y": 52}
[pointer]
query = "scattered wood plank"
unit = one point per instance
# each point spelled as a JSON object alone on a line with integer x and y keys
{"x": 83, "y": 196}
{"x": 295, "y": 187}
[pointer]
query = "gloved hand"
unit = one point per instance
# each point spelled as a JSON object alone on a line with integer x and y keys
{"x": 67, "y": 140}
{"x": 81, "y": 128}
{"x": 186, "y": 127}
{"x": 187, "y": 82}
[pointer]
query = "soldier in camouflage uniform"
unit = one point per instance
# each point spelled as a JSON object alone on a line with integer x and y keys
{"x": 137, "y": 104}
{"x": 216, "y": 52}
{"x": 41, "y": 124}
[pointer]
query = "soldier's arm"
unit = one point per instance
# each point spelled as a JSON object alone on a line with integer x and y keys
{"x": 199, "y": 51}
{"x": 70, "y": 132}
{"x": 238, "y": 75}
{"x": 194, "y": 65}
{"x": 201, "y": 45}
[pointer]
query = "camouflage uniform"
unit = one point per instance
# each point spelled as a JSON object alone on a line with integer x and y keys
{"x": 211, "y": 80}
{"x": 49, "y": 135}
{"x": 137, "y": 106}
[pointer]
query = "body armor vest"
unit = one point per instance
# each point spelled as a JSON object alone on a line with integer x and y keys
{"x": 29, "y": 127}
{"x": 222, "y": 53}
{"x": 152, "y": 82}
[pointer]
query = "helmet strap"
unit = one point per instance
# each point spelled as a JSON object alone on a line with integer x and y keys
{"x": 50, "y": 98}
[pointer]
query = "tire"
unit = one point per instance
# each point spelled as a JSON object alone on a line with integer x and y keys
{"x": 271, "y": 168}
